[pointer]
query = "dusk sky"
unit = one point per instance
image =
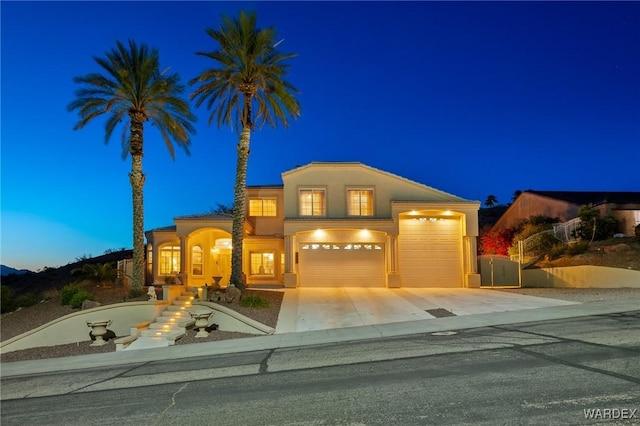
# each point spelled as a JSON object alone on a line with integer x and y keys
{"x": 471, "y": 98}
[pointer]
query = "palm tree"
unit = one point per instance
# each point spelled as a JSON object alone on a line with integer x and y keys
{"x": 246, "y": 88}
{"x": 491, "y": 201}
{"x": 134, "y": 90}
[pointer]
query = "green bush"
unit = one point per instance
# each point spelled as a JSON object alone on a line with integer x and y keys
{"x": 11, "y": 302}
{"x": 253, "y": 301}
{"x": 557, "y": 251}
{"x": 578, "y": 248}
{"x": 79, "y": 297}
{"x": 7, "y": 299}
{"x": 67, "y": 293}
{"x": 135, "y": 292}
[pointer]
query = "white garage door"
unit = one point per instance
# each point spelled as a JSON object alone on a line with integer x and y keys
{"x": 341, "y": 264}
{"x": 430, "y": 252}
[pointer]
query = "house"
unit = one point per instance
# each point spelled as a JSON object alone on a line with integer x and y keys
{"x": 564, "y": 205}
{"x": 329, "y": 224}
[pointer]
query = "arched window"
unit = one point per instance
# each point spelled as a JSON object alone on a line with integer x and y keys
{"x": 169, "y": 260}
{"x": 196, "y": 261}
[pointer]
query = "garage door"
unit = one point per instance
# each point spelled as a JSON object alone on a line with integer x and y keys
{"x": 341, "y": 264}
{"x": 430, "y": 252}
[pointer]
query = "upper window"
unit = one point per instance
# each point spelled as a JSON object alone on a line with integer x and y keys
{"x": 313, "y": 202}
{"x": 196, "y": 260}
{"x": 360, "y": 202}
{"x": 169, "y": 260}
{"x": 262, "y": 207}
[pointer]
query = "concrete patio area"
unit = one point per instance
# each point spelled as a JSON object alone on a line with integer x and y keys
{"x": 308, "y": 309}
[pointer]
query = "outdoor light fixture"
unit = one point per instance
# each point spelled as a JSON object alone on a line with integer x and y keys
{"x": 223, "y": 243}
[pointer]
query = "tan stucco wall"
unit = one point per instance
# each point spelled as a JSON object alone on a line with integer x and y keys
{"x": 627, "y": 220}
{"x": 581, "y": 277}
{"x": 528, "y": 204}
{"x": 267, "y": 225}
{"x": 336, "y": 178}
{"x": 73, "y": 328}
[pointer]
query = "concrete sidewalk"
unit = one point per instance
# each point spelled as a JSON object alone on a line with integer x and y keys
{"x": 318, "y": 337}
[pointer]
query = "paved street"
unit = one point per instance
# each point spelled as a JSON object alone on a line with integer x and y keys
{"x": 546, "y": 372}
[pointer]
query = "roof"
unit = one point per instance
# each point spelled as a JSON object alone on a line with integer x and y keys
{"x": 591, "y": 197}
{"x": 171, "y": 228}
{"x": 206, "y": 216}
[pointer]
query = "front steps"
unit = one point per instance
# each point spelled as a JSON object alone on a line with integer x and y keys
{"x": 164, "y": 331}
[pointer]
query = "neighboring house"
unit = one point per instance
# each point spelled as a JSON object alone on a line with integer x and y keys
{"x": 564, "y": 205}
{"x": 329, "y": 224}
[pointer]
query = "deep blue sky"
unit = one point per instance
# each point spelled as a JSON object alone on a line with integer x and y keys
{"x": 472, "y": 98}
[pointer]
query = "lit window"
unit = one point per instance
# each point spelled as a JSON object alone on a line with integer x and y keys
{"x": 169, "y": 260}
{"x": 196, "y": 260}
{"x": 312, "y": 202}
{"x": 262, "y": 263}
{"x": 262, "y": 207}
{"x": 360, "y": 202}
{"x": 150, "y": 261}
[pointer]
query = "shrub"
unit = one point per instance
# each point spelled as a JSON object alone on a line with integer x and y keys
{"x": 578, "y": 248}
{"x": 135, "y": 292}
{"x": 7, "y": 299}
{"x": 67, "y": 293}
{"x": 638, "y": 231}
{"x": 557, "y": 251}
{"x": 253, "y": 301}
{"x": 79, "y": 297}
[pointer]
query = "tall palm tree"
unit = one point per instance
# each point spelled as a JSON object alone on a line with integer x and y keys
{"x": 246, "y": 88}
{"x": 491, "y": 201}
{"x": 133, "y": 89}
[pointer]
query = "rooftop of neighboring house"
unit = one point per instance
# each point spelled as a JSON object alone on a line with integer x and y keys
{"x": 593, "y": 197}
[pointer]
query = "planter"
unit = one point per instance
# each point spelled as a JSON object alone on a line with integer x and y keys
{"x": 202, "y": 321}
{"x": 99, "y": 329}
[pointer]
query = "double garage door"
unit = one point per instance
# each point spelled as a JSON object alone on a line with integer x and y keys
{"x": 430, "y": 252}
{"x": 341, "y": 264}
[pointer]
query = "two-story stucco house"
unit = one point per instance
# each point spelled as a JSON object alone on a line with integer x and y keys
{"x": 329, "y": 224}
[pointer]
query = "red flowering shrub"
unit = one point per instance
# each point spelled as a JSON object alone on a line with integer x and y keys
{"x": 496, "y": 242}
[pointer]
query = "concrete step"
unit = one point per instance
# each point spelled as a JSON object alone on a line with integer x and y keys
{"x": 165, "y": 326}
{"x": 145, "y": 342}
{"x": 179, "y": 308}
{"x": 180, "y": 321}
{"x": 170, "y": 336}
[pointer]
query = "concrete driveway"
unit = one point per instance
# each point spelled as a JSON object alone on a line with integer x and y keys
{"x": 306, "y": 309}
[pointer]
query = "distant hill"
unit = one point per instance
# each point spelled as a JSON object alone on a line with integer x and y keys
{"x": 50, "y": 278}
{"x": 8, "y": 270}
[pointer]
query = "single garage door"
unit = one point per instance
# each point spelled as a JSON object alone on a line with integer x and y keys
{"x": 430, "y": 252}
{"x": 341, "y": 264}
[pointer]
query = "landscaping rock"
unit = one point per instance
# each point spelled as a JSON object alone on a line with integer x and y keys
{"x": 88, "y": 304}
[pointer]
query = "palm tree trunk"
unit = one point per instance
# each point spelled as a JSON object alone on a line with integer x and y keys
{"x": 137, "y": 178}
{"x": 237, "y": 233}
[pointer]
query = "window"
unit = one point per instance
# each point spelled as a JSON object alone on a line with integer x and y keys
{"x": 262, "y": 263}
{"x": 196, "y": 260}
{"x": 360, "y": 202}
{"x": 262, "y": 207}
{"x": 150, "y": 261}
{"x": 312, "y": 202}
{"x": 169, "y": 260}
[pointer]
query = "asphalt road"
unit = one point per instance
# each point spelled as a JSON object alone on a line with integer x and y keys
{"x": 547, "y": 372}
